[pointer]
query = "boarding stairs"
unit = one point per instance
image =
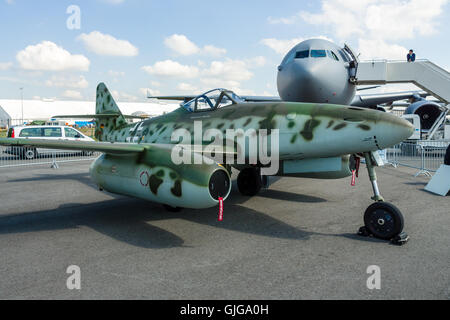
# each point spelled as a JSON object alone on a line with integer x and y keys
{"x": 423, "y": 73}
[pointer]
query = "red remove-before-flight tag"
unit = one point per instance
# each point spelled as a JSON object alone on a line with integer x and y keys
{"x": 220, "y": 209}
{"x": 353, "y": 178}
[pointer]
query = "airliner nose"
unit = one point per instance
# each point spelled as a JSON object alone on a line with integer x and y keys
{"x": 308, "y": 86}
{"x": 392, "y": 130}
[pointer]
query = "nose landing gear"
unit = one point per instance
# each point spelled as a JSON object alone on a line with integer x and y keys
{"x": 382, "y": 220}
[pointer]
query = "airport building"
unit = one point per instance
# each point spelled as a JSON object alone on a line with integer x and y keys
{"x": 46, "y": 109}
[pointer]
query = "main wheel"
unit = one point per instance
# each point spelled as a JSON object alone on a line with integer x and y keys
{"x": 384, "y": 220}
{"x": 172, "y": 209}
{"x": 249, "y": 182}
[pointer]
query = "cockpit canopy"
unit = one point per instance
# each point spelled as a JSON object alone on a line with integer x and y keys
{"x": 214, "y": 99}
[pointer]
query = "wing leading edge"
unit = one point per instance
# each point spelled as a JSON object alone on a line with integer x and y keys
{"x": 117, "y": 148}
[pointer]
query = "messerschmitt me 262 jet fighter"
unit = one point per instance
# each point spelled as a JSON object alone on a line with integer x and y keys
{"x": 311, "y": 140}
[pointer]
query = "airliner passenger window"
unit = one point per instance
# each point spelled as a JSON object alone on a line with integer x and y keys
{"x": 318, "y": 53}
{"x": 302, "y": 54}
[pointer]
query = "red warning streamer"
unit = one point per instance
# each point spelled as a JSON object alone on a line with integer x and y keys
{"x": 220, "y": 209}
{"x": 355, "y": 173}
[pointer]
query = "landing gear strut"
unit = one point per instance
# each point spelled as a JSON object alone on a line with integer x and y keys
{"x": 382, "y": 220}
{"x": 249, "y": 181}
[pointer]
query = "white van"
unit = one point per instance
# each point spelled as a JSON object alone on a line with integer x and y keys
{"x": 43, "y": 133}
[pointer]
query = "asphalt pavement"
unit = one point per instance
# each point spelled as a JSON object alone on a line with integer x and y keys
{"x": 296, "y": 240}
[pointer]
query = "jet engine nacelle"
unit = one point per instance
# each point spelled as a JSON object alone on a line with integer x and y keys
{"x": 428, "y": 112}
{"x": 152, "y": 177}
{"x": 323, "y": 168}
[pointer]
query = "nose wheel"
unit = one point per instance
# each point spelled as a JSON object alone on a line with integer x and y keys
{"x": 382, "y": 220}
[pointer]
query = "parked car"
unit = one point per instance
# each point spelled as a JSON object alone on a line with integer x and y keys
{"x": 45, "y": 133}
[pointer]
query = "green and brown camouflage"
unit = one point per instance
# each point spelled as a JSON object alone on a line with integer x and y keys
{"x": 137, "y": 159}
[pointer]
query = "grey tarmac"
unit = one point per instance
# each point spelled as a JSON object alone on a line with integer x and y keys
{"x": 295, "y": 240}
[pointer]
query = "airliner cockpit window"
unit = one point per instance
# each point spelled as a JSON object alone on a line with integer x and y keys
{"x": 289, "y": 57}
{"x": 302, "y": 54}
{"x": 318, "y": 54}
{"x": 332, "y": 55}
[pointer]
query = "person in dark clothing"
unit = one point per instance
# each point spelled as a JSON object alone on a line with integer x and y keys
{"x": 411, "y": 57}
{"x": 447, "y": 157}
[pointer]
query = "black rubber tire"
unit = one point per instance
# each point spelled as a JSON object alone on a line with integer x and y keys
{"x": 383, "y": 220}
{"x": 29, "y": 154}
{"x": 172, "y": 209}
{"x": 249, "y": 182}
{"x": 447, "y": 157}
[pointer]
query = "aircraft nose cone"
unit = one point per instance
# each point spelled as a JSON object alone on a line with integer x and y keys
{"x": 392, "y": 130}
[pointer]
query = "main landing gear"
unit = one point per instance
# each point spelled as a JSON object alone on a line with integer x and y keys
{"x": 382, "y": 220}
{"x": 249, "y": 181}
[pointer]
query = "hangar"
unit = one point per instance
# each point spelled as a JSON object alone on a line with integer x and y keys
{"x": 5, "y": 118}
{"x": 46, "y": 108}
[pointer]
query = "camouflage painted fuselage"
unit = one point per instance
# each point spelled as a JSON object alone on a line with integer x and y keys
{"x": 306, "y": 131}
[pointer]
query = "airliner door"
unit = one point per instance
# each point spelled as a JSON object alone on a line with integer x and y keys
{"x": 353, "y": 65}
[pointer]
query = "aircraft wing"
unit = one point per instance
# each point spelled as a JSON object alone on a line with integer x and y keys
{"x": 372, "y": 100}
{"x": 117, "y": 148}
{"x": 105, "y": 147}
{"x": 96, "y": 116}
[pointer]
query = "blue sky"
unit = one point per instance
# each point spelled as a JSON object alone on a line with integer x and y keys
{"x": 177, "y": 47}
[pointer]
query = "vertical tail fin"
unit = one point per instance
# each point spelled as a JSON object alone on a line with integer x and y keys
{"x": 106, "y": 105}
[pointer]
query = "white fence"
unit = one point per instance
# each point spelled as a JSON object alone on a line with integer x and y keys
{"x": 17, "y": 156}
{"x": 426, "y": 156}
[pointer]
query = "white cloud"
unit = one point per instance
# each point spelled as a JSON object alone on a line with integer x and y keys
{"x": 72, "y": 94}
{"x": 152, "y": 92}
{"x": 256, "y": 62}
{"x": 72, "y": 82}
{"x": 236, "y": 70}
{"x": 169, "y": 68}
{"x": 377, "y": 24}
{"x": 107, "y": 45}
{"x": 187, "y": 87}
{"x": 123, "y": 96}
{"x": 383, "y": 19}
{"x": 281, "y": 46}
{"x": 181, "y": 45}
{"x": 47, "y": 56}
{"x": 5, "y": 65}
{"x": 379, "y": 49}
{"x": 213, "y": 51}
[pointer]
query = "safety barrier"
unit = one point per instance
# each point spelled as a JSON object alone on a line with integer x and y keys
{"x": 426, "y": 156}
{"x": 16, "y": 156}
